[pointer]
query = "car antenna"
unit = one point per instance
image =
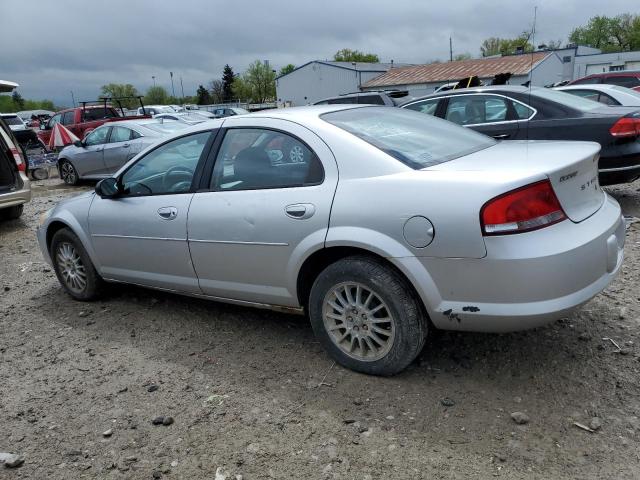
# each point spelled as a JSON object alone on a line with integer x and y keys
{"x": 533, "y": 42}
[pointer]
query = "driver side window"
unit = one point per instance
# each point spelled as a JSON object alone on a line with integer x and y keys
{"x": 167, "y": 169}
{"x": 97, "y": 137}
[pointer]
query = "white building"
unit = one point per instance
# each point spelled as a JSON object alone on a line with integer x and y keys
{"x": 605, "y": 62}
{"x": 320, "y": 79}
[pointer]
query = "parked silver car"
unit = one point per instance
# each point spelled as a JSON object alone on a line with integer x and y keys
{"x": 381, "y": 223}
{"x": 109, "y": 147}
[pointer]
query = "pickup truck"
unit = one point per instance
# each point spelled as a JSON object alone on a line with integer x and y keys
{"x": 82, "y": 120}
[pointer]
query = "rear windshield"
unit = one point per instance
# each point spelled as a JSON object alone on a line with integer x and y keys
{"x": 12, "y": 120}
{"x": 626, "y": 91}
{"x": 564, "y": 98}
{"x": 166, "y": 126}
{"x": 413, "y": 138}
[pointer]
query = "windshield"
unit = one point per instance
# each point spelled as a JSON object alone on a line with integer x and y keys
{"x": 564, "y": 98}
{"x": 413, "y": 138}
{"x": 13, "y": 120}
{"x": 626, "y": 91}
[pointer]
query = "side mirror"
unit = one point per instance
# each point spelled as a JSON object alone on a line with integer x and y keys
{"x": 78, "y": 143}
{"x": 108, "y": 188}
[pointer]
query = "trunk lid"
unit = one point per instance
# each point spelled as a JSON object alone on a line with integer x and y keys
{"x": 572, "y": 168}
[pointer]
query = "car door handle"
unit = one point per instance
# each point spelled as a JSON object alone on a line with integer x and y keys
{"x": 126, "y": 145}
{"x": 300, "y": 211}
{"x": 501, "y": 136}
{"x": 168, "y": 213}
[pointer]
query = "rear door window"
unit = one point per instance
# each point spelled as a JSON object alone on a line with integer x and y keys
{"x": 476, "y": 109}
{"x": 254, "y": 158}
{"x": 523, "y": 112}
{"x": 119, "y": 134}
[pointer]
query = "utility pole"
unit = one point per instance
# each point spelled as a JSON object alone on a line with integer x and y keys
{"x": 182, "y": 88}
{"x": 73, "y": 99}
{"x": 173, "y": 90}
{"x": 153, "y": 77}
{"x": 450, "y": 50}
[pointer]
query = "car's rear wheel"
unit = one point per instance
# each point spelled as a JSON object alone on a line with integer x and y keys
{"x": 366, "y": 316}
{"x": 12, "y": 213}
{"x": 68, "y": 173}
{"x": 73, "y": 267}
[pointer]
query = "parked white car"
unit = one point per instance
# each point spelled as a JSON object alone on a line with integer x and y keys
{"x": 612, "y": 95}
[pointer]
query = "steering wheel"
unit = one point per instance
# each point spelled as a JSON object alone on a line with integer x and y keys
{"x": 177, "y": 179}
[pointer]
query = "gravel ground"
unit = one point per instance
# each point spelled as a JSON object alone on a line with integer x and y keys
{"x": 252, "y": 393}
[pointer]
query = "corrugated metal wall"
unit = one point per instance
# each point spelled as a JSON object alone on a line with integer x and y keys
{"x": 316, "y": 81}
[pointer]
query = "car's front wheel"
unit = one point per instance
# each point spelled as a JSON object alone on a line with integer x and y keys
{"x": 366, "y": 316}
{"x": 73, "y": 267}
{"x": 68, "y": 173}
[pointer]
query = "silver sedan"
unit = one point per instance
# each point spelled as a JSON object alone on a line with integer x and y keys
{"x": 381, "y": 224}
{"x": 107, "y": 148}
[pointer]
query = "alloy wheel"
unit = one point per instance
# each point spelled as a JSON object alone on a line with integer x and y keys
{"x": 71, "y": 267}
{"x": 358, "y": 321}
{"x": 68, "y": 173}
{"x": 296, "y": 154}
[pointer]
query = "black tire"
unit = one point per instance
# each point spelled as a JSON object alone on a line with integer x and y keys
{"x": 12, "y": 213}
{"x": 392, "y": 289}
{"x": 93, "y": 283}
{"x": 68, "y": 173}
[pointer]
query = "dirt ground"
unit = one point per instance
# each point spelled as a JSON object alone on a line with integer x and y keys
{"x": 252, "y": 393}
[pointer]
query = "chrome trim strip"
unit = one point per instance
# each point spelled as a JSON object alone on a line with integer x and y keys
{"x": 237, "y": 242}
{"x": 135, "y": 237}
{"x": 618, "y": 169}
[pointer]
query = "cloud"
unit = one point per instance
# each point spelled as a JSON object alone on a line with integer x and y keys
{"x": 56, "y": 47}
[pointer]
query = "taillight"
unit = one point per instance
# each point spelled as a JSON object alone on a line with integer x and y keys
{"x": 522, "y": 210}
{"x": 626, "y": 127}
{"x": 18, "y": 158}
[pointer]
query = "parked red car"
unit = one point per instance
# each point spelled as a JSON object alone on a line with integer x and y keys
{"x": 82, "y": 120}
{"x": 624, "y": 78}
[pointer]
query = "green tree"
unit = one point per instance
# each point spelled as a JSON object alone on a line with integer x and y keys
{"x": 610, "y": 34}
{"x": 241, "y": 89}
{"x": 462, "y": 56}
{"x": 227, "y": 83}
{"x": 203, "y": 96}
{"x": 348, "y": 55}
{"x": 119, "y": 90}
{"x": 506, "y": 46}
{"x": 17, "y": 99}
{"x": 156, "y": 96}
{"x": 286, "y": 69}
{"x": 261, "y": 80}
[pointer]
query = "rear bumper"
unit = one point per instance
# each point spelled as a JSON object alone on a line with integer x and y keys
{"x": 18, "y": 196}
{"x": 529, "y": 279}
{"x": 623, "y": 167}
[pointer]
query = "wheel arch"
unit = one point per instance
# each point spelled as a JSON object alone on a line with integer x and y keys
{"x": 68, "y": 221}
{"x": 315, "y": 263}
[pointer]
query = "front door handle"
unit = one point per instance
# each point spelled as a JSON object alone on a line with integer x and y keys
{"x": 126, "y": 145}
{"x": 300, "y": 211}
{"x": 501, "y": 136}
{"x": 168, "y": 213}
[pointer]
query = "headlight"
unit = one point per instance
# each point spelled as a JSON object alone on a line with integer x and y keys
{"x": 44, "y": 216}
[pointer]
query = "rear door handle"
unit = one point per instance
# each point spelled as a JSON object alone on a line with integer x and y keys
{"x": 168, "y": 213}
{"x": 300, "y": 211}
{"x": 501, "y": 136}
{"x": 126, "y": 145}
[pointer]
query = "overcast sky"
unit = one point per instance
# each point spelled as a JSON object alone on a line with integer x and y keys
{"x": 53, "y": 47}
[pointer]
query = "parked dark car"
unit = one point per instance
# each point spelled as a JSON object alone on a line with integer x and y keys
{"x": 519, "y": 113}
{"x": 624, "y": 78}
{"x": 391, "y": 98}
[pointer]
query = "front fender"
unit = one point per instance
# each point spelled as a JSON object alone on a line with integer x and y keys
{"x": 74, "y": 215}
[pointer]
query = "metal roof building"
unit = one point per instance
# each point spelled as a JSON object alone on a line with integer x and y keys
{"x": 320, "y": 79}
{"x": 543, "y": 68}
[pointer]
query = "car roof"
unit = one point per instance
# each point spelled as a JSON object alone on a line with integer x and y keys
{"x": 583, "y": 86}
{"x": 621, "y": 73}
